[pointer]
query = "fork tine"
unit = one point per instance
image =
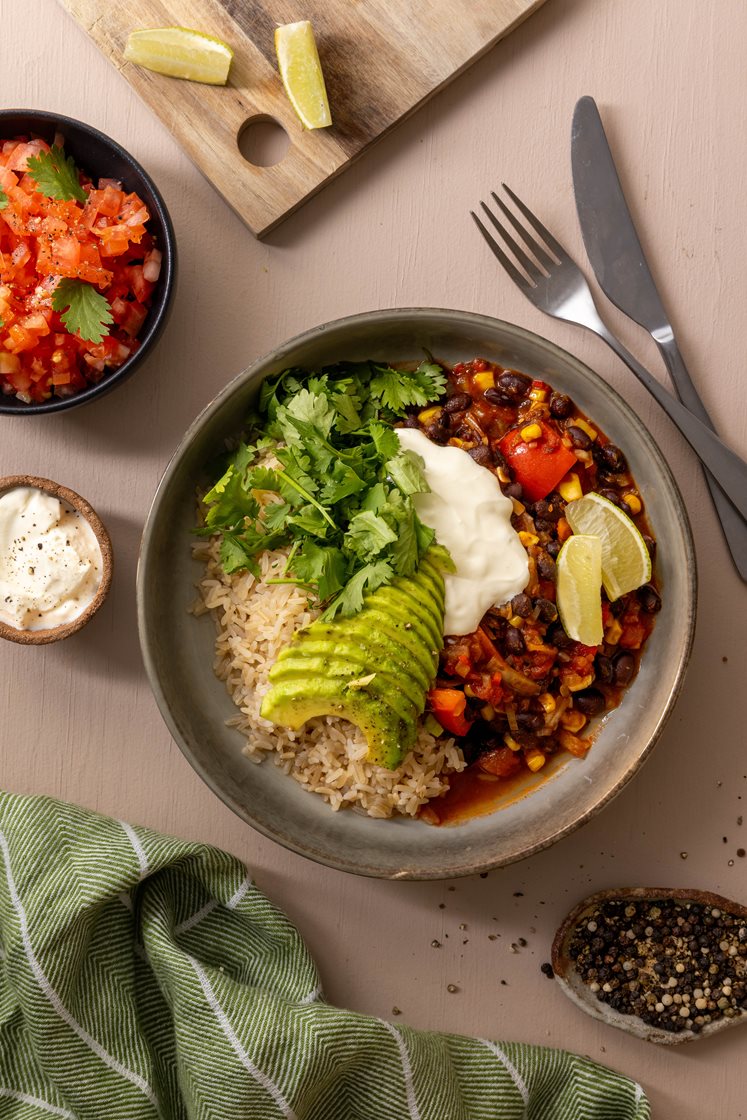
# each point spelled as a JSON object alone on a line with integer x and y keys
{"x": 540, "y": 253}
{"x": 545, "y": 234}
{"x": 517, "y": 277}
{"x": 522, "y": 257}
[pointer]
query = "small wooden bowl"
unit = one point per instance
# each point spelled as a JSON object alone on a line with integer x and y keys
{"x": 57, "y": 633}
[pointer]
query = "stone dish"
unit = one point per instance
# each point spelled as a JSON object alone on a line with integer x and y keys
{"x": 178, "y": 648}
{"x": 578, "y": 991}
{"x": 102, "y": 157}
{"x": 44, "y": 637}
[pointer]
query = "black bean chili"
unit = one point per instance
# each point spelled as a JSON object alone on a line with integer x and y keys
{"x": 528, "y": 689}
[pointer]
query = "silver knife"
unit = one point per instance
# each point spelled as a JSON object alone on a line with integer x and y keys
{"x": 621, "y": 268}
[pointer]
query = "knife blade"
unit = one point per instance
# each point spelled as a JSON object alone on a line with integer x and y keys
{"x": 620, "y": 266}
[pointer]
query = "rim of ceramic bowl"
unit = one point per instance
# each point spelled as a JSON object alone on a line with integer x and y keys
{"x": 160, "y": 312}
{"x": 86, "y": 510}
{"x": 256, "y": 372}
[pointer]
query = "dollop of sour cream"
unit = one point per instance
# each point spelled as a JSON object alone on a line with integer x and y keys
{"x": 50, "y": 560}
{"x": 471, "y": 516}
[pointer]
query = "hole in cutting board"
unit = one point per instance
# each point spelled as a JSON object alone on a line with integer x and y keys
{"x": 263, "y": 141}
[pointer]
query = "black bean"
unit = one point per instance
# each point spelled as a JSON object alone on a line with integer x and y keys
{"x": 521, "y": 605}
{"x": 548, "y": 612}
{"x": 561, "y": 406}
{"x": 460, "y": 402}
{"x": 498, "y": 460}
{"x": 411, "y": 421}
{"x": 546, "y": 566}
{"x": 437, "y": 433}
{"x": 549, "y": 509}
{"x": 613, "y": 496}
{"x": 496, "y": 397}
{"x": 515, "y": 640}
{"x": 558, "y": 637}
{"x": 650, "y": 544}
{"x": 578, "y": 437}
{"x": 514, "y": 385}
{"x": 604, "y": 669}
{"x": 624, "y": 668}
{"x": 649, "y": 598}
{"x": 590, "y": 701}
{"x": 611, "y": 458}
{"x": 513, "y": 490}
{"x": 530, "y": 721}
{"x": 553, "y": 548}
{"x": 481, "y": 454}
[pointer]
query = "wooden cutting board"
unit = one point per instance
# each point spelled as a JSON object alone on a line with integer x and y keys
{"x": 381, "y": 59}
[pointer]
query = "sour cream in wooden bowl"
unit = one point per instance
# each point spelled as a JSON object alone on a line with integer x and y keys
{"x": 55, "y": 560}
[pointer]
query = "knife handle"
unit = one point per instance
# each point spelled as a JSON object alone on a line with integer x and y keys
{"x": 735, "y": 529}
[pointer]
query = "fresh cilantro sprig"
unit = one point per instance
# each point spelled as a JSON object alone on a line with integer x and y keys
{"x": 341, "y": 495}
{"x": 84, "y": 310}
{"x": 3, "y": 199}
{"x": 56, "y": 175}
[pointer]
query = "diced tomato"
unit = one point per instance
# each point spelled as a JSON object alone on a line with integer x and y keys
{"x": 538, "y": 465}
{"x": 502, "y": 762}
{"x": 103, "y": 241}
{"x": 448, "y": 706}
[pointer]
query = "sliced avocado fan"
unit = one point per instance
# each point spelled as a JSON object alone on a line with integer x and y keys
{"x": 373, "y": 669}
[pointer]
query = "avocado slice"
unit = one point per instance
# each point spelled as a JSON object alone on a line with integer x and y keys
{"x": 373, "y": 669}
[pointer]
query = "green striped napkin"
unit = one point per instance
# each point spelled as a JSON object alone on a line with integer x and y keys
{"x": 143, "y": 976}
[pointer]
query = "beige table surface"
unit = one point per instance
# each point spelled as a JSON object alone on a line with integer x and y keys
{"x": 79, "y": 721}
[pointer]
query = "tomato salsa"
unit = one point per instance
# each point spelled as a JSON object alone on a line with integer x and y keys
{"x": 519, "y": 689}
{"x": 89, "y": 244}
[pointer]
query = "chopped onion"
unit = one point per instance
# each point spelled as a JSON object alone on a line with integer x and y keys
{"x": 152, "y": 265}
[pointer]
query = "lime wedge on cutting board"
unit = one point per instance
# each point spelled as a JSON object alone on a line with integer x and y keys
{"x": 578, "y": 589}
{"x": 180, "y": 53}
{"x": 301, "y": 71}
{"x": 626, "y": 563}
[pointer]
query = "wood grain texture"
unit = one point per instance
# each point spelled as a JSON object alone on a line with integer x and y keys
{"x": 381, "y": 59}
{"x": 78, "y": 719}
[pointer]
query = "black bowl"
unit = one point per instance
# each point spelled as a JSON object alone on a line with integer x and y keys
{"x": 101, "y": 157}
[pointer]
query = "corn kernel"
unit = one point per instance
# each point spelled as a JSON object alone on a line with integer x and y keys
{"x": 570, "y": 488}
{"x": 511, "y": 742}
{"x": 535, "y": 760}
{"x": 519, "y": 507}
{"x": 487, "y": 712}
{"x": 502, "y": 476}
{"x": 456, "y": 442}
{"x": 469, "y": 691}
{"x": 538, "y": 395}
{"x": 528, "y": 538}
{"x": 613, "y": 633}
{"x": 484, "y": 381}
{"x": 516, "y": 621}
{"x": 579, "y": 422}
{"x": 633, "y": 502}
{"x": 429, "y": 414}
{"x": 573, "y": 720}
{"x": 530, "y": 432}
{"x": 547, "y": 700}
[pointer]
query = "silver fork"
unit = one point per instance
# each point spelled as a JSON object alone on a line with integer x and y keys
{"x": 554, "y": 283}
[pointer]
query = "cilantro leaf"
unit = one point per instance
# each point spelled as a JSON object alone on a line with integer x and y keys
{"x": 406, "y": 470}
{"x": 233, "y": 556}
{"x": 3, "y": 199}
{"x": 368, "y": 578}
{"x": 368, "y": 534}
{"x": 400, "y": 389}
{"x": 84, "y": 310}
{"x": 323, "y": 565}
{"x": 56, "y": 175}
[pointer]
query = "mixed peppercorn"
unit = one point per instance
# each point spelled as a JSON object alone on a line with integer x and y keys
{"x": 519, "y": 689}
{"x": 677, "y": 964}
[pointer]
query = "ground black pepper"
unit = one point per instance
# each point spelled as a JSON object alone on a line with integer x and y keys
{"x": 677, "y": 965}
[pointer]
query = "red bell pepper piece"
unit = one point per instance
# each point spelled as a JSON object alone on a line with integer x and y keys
{"x": 448, "y": 705}
{"x": 538, "y": 466}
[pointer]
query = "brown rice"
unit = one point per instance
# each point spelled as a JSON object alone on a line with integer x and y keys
{"x": 327, "y": 755}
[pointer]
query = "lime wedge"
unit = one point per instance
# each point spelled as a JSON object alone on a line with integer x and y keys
{"x": 180, "y": 53}
{"x": 626, "y": 563}
{"x": 301, "y": 71}
{"x": 578, "y": 589}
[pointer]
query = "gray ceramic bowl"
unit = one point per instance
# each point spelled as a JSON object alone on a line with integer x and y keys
{"x": 178, "y": 649}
